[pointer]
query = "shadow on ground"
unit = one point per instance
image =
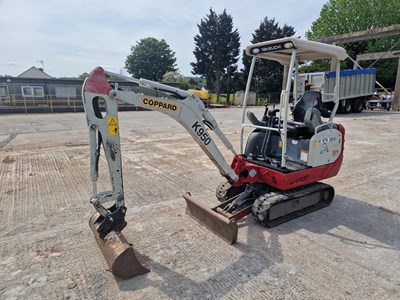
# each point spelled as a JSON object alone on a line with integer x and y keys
{"x": 367, "y": 113}
{"x": 375, "y": 222}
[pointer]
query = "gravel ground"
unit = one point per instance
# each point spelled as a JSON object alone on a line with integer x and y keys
{"x": 349, "y": 250}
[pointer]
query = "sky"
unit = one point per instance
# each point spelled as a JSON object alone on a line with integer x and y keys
{"x": 71, "y": 37}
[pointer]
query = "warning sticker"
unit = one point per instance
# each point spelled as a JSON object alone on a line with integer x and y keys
{"x": 304, "y": 155}
{"x": 112, "y": 126}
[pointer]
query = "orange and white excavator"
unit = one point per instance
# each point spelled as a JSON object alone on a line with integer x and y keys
{"x": 275, "y": 176}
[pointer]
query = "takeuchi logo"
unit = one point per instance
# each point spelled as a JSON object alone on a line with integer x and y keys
{"x": 271, "y": 48}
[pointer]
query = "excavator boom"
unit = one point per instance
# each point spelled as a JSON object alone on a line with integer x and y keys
{"x": 187, "y": 109}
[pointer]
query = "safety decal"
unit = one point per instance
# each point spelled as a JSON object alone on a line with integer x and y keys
{"x": 324, "y": 149}
{"x": 159, "y": 104}
{"x": 112, "y": 126}
{"x": 304, "y": 155}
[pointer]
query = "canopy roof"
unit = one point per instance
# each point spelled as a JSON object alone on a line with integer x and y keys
{"x": 281, "y": 50}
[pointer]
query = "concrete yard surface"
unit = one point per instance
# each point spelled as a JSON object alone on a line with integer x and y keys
{"x": 349, "y": 250}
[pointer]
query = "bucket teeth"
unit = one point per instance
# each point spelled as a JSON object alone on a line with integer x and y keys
{"x": 118, "y": 252}
{"x": 222, "y": 226}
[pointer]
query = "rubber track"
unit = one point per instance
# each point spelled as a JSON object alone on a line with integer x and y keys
{"x": 262, "y": 204}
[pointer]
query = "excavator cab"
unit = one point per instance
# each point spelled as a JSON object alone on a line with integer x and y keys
{"x": 307, "y": 115}
{"x": 283, "y": 160}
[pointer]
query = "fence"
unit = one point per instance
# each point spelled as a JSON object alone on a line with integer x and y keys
{"x": 268, "y": 98}
{"x": 17, "y": 103}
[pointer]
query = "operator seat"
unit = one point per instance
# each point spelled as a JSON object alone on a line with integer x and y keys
{"x": 309, "y": 110}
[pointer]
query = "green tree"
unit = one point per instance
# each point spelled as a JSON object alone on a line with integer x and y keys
{"x": 151, "y": 59}
{"x": 267, "y": 76}
{"x": 197, "y": 82}
{"x": 175, "y": 76}
{"x": 217, "y": 49}
{"x": 346, "y": 16}
{"x": 83, "y": 75}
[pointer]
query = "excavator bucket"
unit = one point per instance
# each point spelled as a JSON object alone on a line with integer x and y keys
{"x": 222, "y": 226}
{"x": 118, "y": 252}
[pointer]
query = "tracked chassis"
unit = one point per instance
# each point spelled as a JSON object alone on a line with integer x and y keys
{"x": 274, "y": 208}
{"x": 268, "y": 208}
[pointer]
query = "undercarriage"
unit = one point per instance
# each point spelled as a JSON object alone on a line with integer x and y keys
{"x": 268, "y": 206}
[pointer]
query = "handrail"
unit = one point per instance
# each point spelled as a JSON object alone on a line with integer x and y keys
{"x": 260, "y": 127}
{"x": 246, "y": 94}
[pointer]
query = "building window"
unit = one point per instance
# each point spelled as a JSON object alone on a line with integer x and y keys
{"x": 32, "y": 91}
{"x": 3, "y": 90}
{"x": 65, "y": 92}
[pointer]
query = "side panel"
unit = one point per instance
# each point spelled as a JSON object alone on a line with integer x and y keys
{"x": 324, "y": 148}
{"x": 353, "y": 83}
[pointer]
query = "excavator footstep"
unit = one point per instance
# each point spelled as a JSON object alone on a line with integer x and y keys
{"x": 222, "y": 226}
{"x": 118, "y": 252}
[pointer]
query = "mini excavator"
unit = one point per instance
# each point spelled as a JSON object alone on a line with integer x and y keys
{"x": 275, "y": 176}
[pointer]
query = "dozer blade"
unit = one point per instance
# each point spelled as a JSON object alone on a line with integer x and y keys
{"x": 222, "y": 226}
{"x": 118, "y": 252}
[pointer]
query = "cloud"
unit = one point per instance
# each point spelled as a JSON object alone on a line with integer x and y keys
{"x": 74, "y": 36}
{"x": 8, "y": 63}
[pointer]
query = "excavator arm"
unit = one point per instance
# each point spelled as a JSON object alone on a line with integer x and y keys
{"x": 187, "y": 109}
{"x": 101, "y": 107}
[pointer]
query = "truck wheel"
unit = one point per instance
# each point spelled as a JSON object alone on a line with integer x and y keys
{"x": 357, "y": 106}
{"x": 346, "y": 108}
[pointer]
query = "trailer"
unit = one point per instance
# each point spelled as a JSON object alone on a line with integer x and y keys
{"x": 356, "y": 88}
{"x": 382, "y": 99}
